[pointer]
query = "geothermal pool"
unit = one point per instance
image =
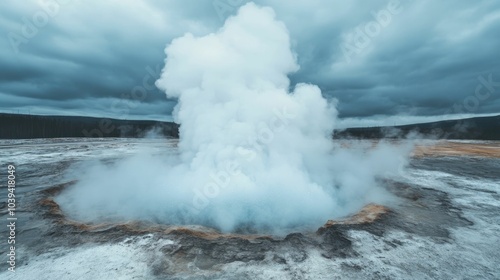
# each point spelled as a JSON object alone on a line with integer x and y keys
{"x": 441, "y": 221}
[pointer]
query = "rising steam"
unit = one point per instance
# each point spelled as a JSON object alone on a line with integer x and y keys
{"x": 251, "y": 154}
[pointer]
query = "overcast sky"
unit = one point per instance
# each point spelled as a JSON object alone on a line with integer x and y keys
{"x": 384, "y": 61}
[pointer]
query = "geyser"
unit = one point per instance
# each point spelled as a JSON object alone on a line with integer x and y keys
{"x": 251, "y": 154}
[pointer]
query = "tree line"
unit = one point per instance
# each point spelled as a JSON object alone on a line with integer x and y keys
{"x": 17, "y": 126}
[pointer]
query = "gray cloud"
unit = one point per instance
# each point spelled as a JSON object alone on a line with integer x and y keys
{"x": 99, "y": 58}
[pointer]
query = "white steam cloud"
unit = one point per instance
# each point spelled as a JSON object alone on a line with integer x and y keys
{"x": 251, "y": 154}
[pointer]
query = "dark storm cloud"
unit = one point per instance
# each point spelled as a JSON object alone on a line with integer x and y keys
{"x": 102, "y": 58}
{"x": 427, "y": 58}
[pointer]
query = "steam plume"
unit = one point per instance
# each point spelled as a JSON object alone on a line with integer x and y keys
{"x": 252, "y": 154}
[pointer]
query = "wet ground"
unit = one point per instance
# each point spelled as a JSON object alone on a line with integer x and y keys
{"x": 444, "y": 224}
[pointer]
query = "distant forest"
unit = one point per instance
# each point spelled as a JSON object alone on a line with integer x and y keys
{"x": 480, "y": 128}
{"x": 16, "y": 126}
